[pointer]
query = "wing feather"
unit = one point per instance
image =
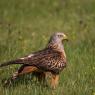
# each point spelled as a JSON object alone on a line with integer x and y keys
{"x": 47, "y": 60}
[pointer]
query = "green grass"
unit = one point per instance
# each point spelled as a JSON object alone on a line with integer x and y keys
{"x": 26, "y": 25}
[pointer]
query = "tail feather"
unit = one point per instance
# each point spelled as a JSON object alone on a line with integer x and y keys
{"x": 18, "y": 61}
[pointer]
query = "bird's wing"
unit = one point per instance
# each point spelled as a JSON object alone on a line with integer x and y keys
{"x": 47, "y": 59}
{"x": 24, "y": 60}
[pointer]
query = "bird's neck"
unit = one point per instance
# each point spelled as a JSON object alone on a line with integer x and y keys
{"x": 57, "y": 46}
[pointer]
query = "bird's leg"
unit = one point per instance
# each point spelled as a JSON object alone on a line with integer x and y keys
{"x": 54, "y": 80}
{"x": 41, "y": 76}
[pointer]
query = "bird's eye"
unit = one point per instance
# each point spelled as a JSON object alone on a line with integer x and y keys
{"x": 60, "y": 36}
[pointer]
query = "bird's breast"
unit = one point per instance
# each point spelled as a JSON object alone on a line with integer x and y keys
{"x": 58, "y": 65}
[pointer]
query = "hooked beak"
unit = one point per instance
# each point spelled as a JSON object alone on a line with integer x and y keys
{"x": 65, "y": 37}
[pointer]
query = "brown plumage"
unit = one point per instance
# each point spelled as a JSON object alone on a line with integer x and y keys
{"x": 51, "y": 59}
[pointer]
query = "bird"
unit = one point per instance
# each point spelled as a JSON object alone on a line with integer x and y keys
{"x": 51, "y": 59}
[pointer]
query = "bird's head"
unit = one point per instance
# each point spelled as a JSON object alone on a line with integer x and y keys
{"x": 59, "y": 36}
{"x": 57, "y": 39}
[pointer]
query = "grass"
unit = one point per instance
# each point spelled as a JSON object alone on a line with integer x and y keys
{"x": 26, "y": 25}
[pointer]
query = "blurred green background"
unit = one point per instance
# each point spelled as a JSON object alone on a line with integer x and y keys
{"x": 26, "y": 26}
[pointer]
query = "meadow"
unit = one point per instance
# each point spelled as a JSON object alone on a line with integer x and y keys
{"x": 26, "y": 26}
